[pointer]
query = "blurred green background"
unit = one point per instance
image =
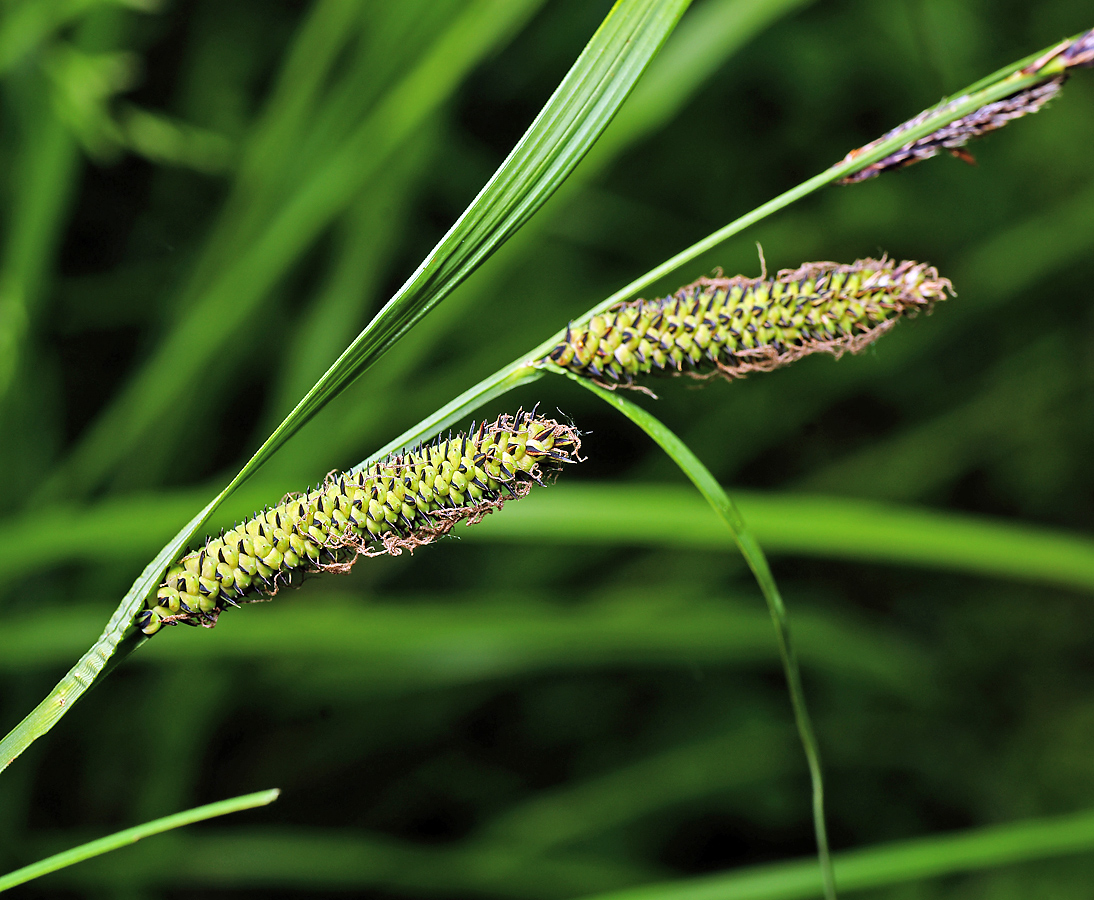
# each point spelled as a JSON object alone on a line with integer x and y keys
{"x": 204, "y": 201}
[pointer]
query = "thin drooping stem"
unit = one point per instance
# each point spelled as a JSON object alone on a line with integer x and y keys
{"x": 746, "y": 541}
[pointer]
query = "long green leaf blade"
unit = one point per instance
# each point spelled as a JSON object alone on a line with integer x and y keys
{"x": 828, "y": 527}
{"x": 897, "y": 863}
{"x": 134, "y": 834}
{"x": 351, "y": 860}
{"x": 286, "y": 228}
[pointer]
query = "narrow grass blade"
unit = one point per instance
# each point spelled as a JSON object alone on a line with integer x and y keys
{"x": 993, "y": 87}
{"x": 897, "y": 863}
{"x": 132, "y": 835}
{"x": 984, "y": 91}
{"x": 701, "y": 477}
{"x": 813, "y": 525}
{"x": 700, "y": 45}
{"x": 43, "y": 176}
{"x": 224, "y": 303}
{"x": 573, "y": 118}
{"x": 345, "y": 859}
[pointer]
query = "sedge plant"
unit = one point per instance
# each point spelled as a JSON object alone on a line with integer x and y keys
{"x": 728, "y": 326}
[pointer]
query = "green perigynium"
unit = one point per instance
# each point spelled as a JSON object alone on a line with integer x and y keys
{"x": 733, "y": 326}
{"x": 396, "y": 504}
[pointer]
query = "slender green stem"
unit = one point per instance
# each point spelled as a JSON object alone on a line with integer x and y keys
{"x": 996, "y": 91}
{"x": 132, "y": 835}
{"x": 722, "y": 504}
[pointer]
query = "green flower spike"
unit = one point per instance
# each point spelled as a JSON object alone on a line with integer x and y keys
{"x": 397, "y": 504}
{"x": 733, "y": 326}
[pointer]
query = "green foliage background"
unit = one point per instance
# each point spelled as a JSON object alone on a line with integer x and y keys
{"x": 204, "y": 202}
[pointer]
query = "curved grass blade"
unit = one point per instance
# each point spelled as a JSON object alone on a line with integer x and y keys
{"x": 994, "y": 87}
{"x": 132, "y": 835}
{"x": 888, "y": 864}
{"x": 259, "y": 253}
{"x": 43, "y": 180}
{"x": 827, "y": 527}
{"x": 700, "y": 45}
{"x": 701, "y": 477}
{"x": 562, "y": 133}
{"x": 574, "y": 117}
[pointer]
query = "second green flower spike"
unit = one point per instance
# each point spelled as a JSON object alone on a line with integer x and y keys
{"x": 733, "y": 326}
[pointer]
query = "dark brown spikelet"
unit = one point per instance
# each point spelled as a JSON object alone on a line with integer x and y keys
{"x": 733, "y": 326}
{"x": 397, "y": 504}
{"x": 1055, "y": 64}
{"x": 956, "y": 134}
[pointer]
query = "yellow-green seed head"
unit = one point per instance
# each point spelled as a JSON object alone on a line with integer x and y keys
{"x": 733, "y": 326}
{"x": 397, "y": 504}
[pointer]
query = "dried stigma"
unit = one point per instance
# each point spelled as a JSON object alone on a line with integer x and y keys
{"x": 397, "y": 504}
{"x": 733, "y": 326}
{"x": 1055, "y": 64}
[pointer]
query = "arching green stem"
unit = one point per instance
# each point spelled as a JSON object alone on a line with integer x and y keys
{"x": 722, "y": 504}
